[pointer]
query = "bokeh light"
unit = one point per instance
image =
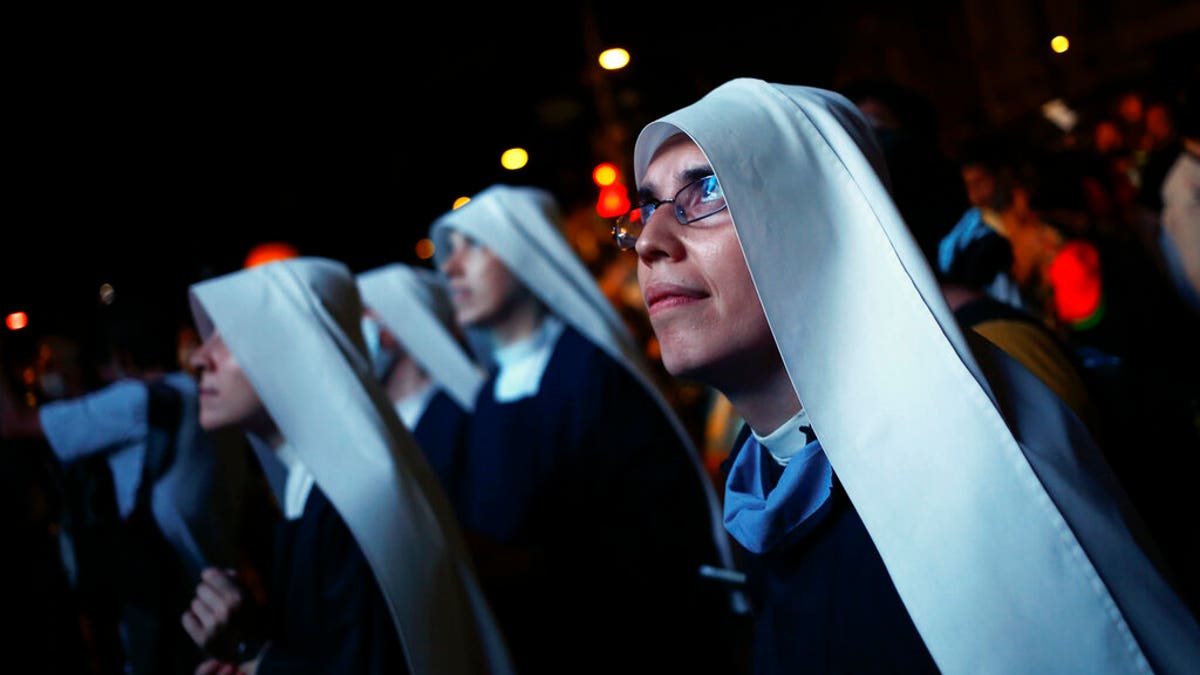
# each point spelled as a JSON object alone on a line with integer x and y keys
{"x": 269, "y": 252}
{"x": 514, "y": 158}
{"x": 614, "y": 59}
{"x": 425, "y": 249}
{"x": 604, "y": 174}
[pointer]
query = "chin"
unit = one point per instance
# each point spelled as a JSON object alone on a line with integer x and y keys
{"x": 467, "y": 318}
{"x": 207, "y": 423}
{"x": 684, "y": 362}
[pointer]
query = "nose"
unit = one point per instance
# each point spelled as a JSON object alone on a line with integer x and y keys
{"x": 452, "y": 265}
{"x": 659, "y": 237}
{"x": 201, "y": 357}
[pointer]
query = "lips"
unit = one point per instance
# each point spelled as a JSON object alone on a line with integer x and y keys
{"x": 661, "y": 296}
{"x": 459, "y": 294}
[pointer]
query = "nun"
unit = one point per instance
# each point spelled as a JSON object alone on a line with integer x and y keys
{"x": 909, "y": 498}
{"x": 590, "y": 515}
{"x": 370, "y": 574}
{"x": 417, "y": 356}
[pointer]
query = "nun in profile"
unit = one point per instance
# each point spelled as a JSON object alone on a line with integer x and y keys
{"x": 370, "y": 574}
{"x": 909, "y": 498}
{"x": 420, "y": 362}
{"x": 589, "y": 513}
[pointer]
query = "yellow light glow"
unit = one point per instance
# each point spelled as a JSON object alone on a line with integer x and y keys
{"x": 514, "y": 158}
{"x": 604, "y": 174}
{"x": 1060, "y": 44}
{"x": 460, "y": 202}
{"x": 614, "y": 59}
{"x": 17, "y": 321}
{"x": 425, "y": 249}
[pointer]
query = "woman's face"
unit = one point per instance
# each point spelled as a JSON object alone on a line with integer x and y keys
{"x": 702, "y": 302}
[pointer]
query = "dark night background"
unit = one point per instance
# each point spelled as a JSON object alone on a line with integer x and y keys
{"x": 152, "y": 148}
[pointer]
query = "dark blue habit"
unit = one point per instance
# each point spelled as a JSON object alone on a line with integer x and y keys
{"x": 823, "y": 600}
{"x": 326, "y": 613}
{"x": 588, "y": 523}
{"x": 442, "y": 434}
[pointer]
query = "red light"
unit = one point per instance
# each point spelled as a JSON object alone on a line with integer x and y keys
{"x": 605, "y": 174}
{"x": 268, "y": 252}
{"x": 1075, "y": 276}
{"x": 16, "y": 321}
{"x": 613, "y": 201}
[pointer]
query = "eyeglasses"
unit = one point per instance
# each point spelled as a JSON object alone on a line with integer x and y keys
{"x": 697, "y": 200}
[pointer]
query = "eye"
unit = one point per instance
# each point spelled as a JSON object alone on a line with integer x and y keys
{"x": 710, "y": 190}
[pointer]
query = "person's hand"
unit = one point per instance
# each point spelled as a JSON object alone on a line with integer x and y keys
{"x": 215, "y": 618}
{"x": 215, "y": 667}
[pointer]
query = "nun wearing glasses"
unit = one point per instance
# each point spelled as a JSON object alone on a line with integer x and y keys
{"x": 909, "y": 498}
{"x": 588, "y": 510}
{"x": 370, "y": 574}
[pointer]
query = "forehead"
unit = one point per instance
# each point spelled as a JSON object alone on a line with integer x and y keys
{"x": 671, "y": 162}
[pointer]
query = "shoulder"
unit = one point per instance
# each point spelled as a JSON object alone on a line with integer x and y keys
{"x": 576, "y": 357}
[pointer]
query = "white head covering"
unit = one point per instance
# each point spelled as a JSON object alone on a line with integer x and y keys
{"x": 294, "y": 327}
{"x": 520, "y": 226}
{"x": 415, "y": 306}
{"x": 988, "y": 507}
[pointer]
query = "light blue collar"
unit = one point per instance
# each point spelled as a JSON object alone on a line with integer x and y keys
{"x": 759, "y": 516}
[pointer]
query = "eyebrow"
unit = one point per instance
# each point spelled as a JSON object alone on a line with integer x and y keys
{"x": 647, "y": 192}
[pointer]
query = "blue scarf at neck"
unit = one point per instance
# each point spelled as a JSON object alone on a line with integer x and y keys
{"x": 761, "y": 516}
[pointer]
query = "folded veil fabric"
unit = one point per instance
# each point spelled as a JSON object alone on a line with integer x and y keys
{"x": 415, "y": 306}
{"x": 988, "y": 502}
{"x": 293, "y": 326}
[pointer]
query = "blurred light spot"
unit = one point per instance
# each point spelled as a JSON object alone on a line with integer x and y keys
{"x": 653, "y": 349}
{"x": 1075, "y": 276}
{"x": 604, "y": 174}
{"x": 107, "y": 294}
{"x": 514, "y": 158}
{"x": 16, "y": 321}
{"x": 613, "y": 201}
{"x": 425, "y": 249}
{"x": 460, "y": 202}
{"x": 1060, "y": 44}
{"x": 30, "y": 399}
{"x": 29, "y": 375}
{"x": 269, "y": 252}
{"x": 614, "y": 59}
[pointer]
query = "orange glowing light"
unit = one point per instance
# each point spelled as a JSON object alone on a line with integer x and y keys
{"x": 425, "y": 249}
{"x": 604, "y": 174}
{"x": 17, "y": 321}
{"x": 269, "y": 252}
